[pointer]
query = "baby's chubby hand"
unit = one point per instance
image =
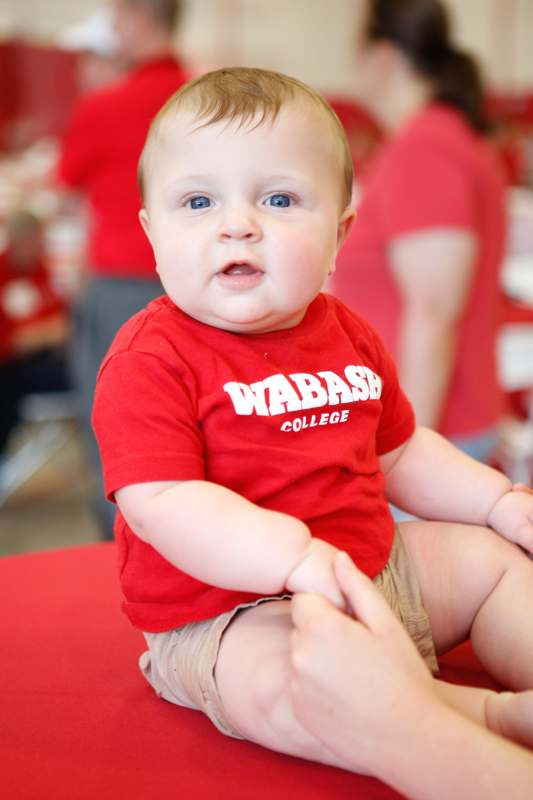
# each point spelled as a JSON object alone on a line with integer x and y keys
{"x": 314, "y": 573}
{"x": 512, "y": 516}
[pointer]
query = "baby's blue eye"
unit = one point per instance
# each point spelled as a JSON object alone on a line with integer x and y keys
{"x": 279, "y": 200}
{"x": 201, "y": 201}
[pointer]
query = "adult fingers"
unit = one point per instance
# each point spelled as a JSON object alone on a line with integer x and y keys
{"x": 320, "y": 629}
{"x": 309, "y": 611}
{"x": 367, "y": 604}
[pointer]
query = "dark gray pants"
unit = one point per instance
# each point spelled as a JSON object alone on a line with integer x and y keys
{"x": 105, "y": 306}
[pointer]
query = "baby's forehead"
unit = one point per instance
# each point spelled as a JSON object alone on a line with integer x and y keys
{"x": 188, "y": 119}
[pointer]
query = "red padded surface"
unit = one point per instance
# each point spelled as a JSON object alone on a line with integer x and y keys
{"x": 77, "y": 721}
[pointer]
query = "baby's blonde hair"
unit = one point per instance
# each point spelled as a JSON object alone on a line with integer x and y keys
{"x": 245, "y": 94}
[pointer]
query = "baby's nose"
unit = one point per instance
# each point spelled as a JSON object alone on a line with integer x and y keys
{"x": 240, "y": 222}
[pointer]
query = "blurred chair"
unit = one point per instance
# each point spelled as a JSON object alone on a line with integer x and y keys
{"x": 49, "y": 420}
{"x": 514, "y": 453}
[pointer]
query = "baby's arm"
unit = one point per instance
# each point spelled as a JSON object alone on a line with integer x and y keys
{"x": 432, "y": 479}
{"x": 221, "y": 538}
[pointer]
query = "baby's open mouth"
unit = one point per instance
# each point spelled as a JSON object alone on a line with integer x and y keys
{"x": 240, "y": 268}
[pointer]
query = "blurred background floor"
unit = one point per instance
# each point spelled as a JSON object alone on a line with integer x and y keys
{"x": 51, "y": 509}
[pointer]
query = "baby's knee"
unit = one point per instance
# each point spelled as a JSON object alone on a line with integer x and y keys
{"x": 252, "y": 670}
{"x": 270, "y": 688}
{"x": 253, "y": 677}
{"x": 277, "y": 726}
{"x": 270, "y": 697}
{"x": 480, "y": 543}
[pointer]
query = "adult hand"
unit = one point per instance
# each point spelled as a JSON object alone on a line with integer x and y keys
{"x": 358, "y": 685}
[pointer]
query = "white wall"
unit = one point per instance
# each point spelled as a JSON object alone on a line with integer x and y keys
{"x": 42, "y": 18}
{"x": 500, "y": 32}
{"x": 310, "y": 38}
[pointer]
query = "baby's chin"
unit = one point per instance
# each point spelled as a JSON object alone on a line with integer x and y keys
{"x": 249, "y": 323}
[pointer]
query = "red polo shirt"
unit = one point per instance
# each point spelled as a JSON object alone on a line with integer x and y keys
{"x": 100, "y": 151}
{"x": 437, "y": 173}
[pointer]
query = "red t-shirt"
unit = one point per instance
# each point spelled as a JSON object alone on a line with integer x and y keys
{"x": 292, "y": 420}
{"x": 436, "y": 174}
{"x": 25, "y": 298}
{"x": 100, "y": 152}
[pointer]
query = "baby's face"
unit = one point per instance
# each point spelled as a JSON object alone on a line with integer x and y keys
{"x": 245, "y": 223}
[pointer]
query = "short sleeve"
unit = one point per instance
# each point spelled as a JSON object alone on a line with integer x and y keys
{"x": 79, "y": 145}
{"x": 397, "y": 423}
{"x": 426, "y": 185}
{"x": 145, "y": 422}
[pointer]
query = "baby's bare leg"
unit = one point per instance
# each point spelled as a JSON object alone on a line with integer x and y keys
{"x": 476, "y": 584}
{"x": 252, "y": 678}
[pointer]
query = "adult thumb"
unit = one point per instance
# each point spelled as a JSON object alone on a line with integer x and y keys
{"x": 307, "y": 610}
{"x": 366, "y": 602}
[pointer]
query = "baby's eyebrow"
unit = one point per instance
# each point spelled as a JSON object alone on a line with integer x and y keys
{"x": 185, "y": 182}
{"x": 199, "y": 178}
{"x": 286, "y": 182}
{"x": 286, "y": 176}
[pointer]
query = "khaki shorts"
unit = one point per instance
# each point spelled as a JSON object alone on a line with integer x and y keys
{"x": 180, "y": 664}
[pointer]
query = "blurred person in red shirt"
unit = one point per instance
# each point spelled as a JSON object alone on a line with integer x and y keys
{"x": 95, "y": 43}
{"x": 423, "y": 260}
{"x": 100, "y": 150}
{"x": 33, "y": 322}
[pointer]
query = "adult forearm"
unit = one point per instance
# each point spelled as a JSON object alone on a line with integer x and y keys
{"x": 445, "y": 755}
{"x": 219, "y": 537}
{"x": 426, "y": 356}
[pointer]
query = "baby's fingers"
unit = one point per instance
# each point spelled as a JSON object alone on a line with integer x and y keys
{"x": 522, "y": 487}
{"x": 524, "y": 537}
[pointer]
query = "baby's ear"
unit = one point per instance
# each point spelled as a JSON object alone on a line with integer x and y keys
{"x": 345, "y": 223}
{"x": 145, "y": 222}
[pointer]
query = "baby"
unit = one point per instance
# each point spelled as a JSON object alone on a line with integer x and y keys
{"x": 252, "y": 427}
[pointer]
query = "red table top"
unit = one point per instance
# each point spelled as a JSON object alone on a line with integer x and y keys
{"x": 78, "y": 722}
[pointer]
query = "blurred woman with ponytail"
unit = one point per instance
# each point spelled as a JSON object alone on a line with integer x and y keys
{"x": 422, "y": 263}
